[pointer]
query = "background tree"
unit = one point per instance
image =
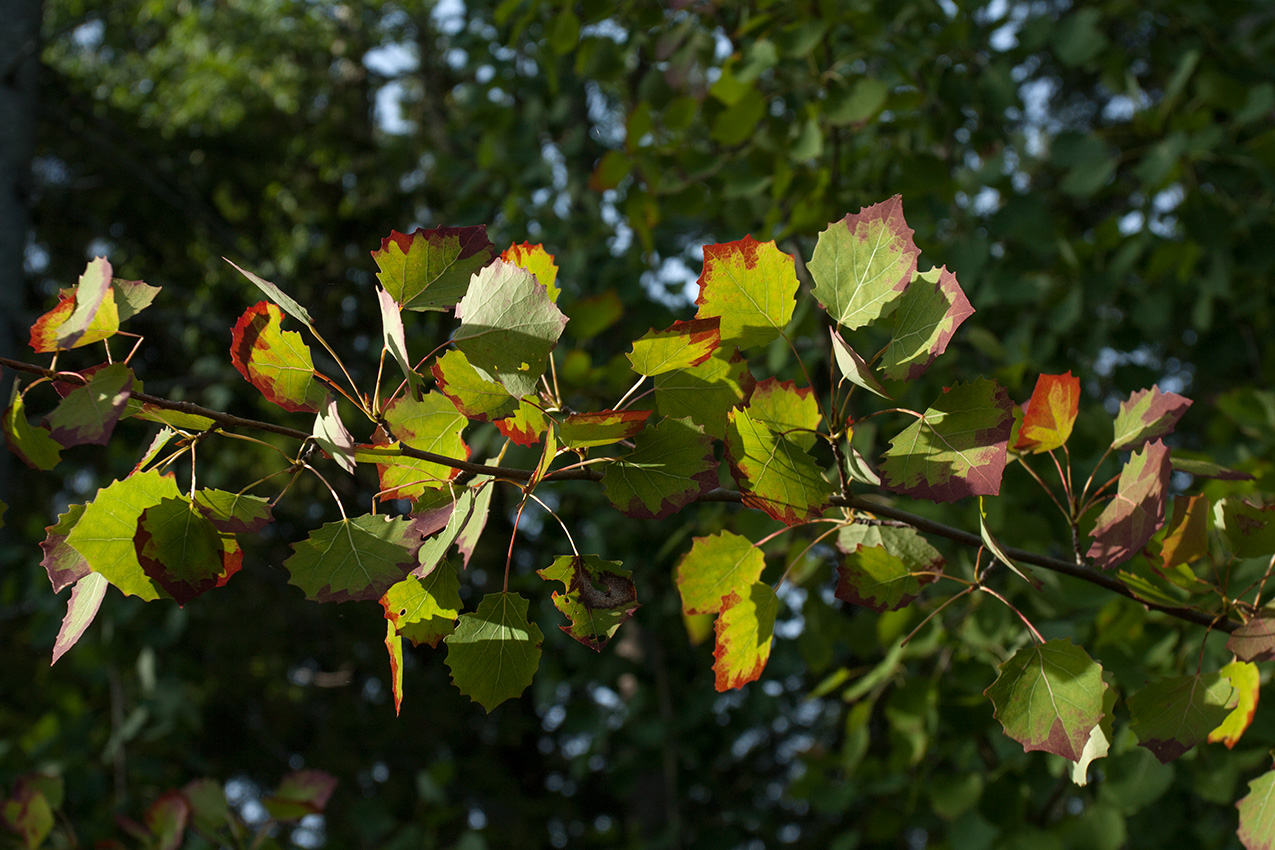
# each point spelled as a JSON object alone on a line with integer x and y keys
{"x": 1098, "y": 177}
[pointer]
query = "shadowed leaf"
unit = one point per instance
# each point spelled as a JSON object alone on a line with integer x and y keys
{"x": 599, "y": 597}
{"x": 1173, "y": 715}
{"x": 1257, "y": 814}
{"x": 182, "y": 551}
{"x": 602, "y": 428}
{"x": 89, "y": 413}
{"x": 1137, "y": 511}
{"x": 474, "y": 396}
{"x": 353, "y": 559}
{"x": 1255, "y": 640}
{"x": 671, "y": 465}
{"x": 1147, "y": 414}
{"x": 787, "y": 409}
{"x": 424, "y": 610}
{"x": 63, "y": 564}
{"x": 877, "y": 578}
{"x": 704, "y": 393}
{"x": 853, "y": 367}
{"x": 32, "y": 444}
{"x": 234, "y": 513}
{"x": 300, "y": 793}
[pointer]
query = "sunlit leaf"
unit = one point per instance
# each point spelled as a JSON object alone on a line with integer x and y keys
{"x": 89, "y": 413}
{"x": 853, "y": 367}
{"x": 394, "y": 339}
{"x": 1188, "y": 536}
{"x": 751, "y": 286}
{"x": 432, "y": 425}
{"x": 957, "y": 448}
{"x": 353, "y": 559}
{"x": 679, "y": 346}
{"x": 877, "y": 578}
{"x": 1147, "y": 414}
{"x": 94, "y": 311}
{"x": 706, "y": 392}
{"x": 1173, "y": 715}
{"x": 538, "y": 261}
{"x": 474, "y": 396}
{"x": 598, "y": 596}
{"x": 81, "y": 608}
{"x": 862, "y": 263}
{"x": 601, "y": 428}
{"x": 787, "y": 409}
{"x": 494, "y": 652}
{"x": 32, "y": 444}
{"x": 716, "y": 567}
{"x": 234, "y": 513}
{"x": 424, "y": 610}
{"x": 331, "y": 435}
{"x": 431, "y": 269}
{"x": 774, "y": 474}
{"x": 928, "y": 314}
{"x": 394, "y": 647}
{"x": 275, "y": 361}
{"x": 525, "y": 425}
{"x": 278, "y": 297}
{"x": 1137, "y": 511}
{"x": 671, "y": 465}
{"x": 1050, "y": 413}
{"x": 745, "y": 629}
{"x": 1246, "y": 679}
{"x": 1049, "y": 697}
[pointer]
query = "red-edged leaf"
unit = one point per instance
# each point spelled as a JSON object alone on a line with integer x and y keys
{"x": 1188, "y": 537}
{"x": 525, "y": 425}
{"x": 1137, "y": 511}
{"x": 89, "y": 413}
{"x": 751, "y": 286}
{"x": 958, "y": 447}
{"x": 786, "y": 409}
{"x": 430, "y": 269}
{"x": 585, "y": 430}
{"x": 475, "y": 396}
{"x": 930, "y": 311}
{"x": 81, "y": 608}
{"x": 1257, "y": 814}
{"x": 745, "y": 629}
{"x": 1050, "y": 413}
{"x": 1246, "y": 679}
{"x": 1255, "y": 640}
{"x": 876, "y": 578}
{"x": 166, "y": 819}
{"x": 32, "y": 444}
{"x": 424, "y": 610}
{"x": 234, "y": 513}
{"x": 716, "y": 567}
{"x": 1147, "y": 414}
{"x": 705, "y": 393}
{"x": 1173, "y": 715}
{"x": 538, "y": 261}
{"x": 275, "y": 361}
{"x": 775, "y": 474}
{"x": 679, "y": 346}
{"x": 599, "y": 597}
{"x": 28, "y": 814}
{"x": 671, "y": 465}
{"x": 63, "y": 564}
{"x": 353, "y": 559}
{"x": 394, "y": 646}
{"x": 182, "y": 551}
{"x": 90, "y": 298}
{"x": 300, "y": 793}
{"x": 431, "y": 424}
{"x": 863, "y": 263}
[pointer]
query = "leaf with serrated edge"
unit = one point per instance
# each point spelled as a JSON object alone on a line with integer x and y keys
{"x": 333, "y": 437}
{"x": 431, "y": 269}
{"x": 854, "y": 368}
{"x": 104, "y": 535}
{"x": 89, "y": 413}
{"x": 1246, "y": 679}
{"x": 599, "y": 597}
{"x": 32, "y": 444}
{"x": 957, "y": 448}
{"x": 90, "y": 299}
{"x": 538, "y": 261}
{"x": 876, "y": 578}
{"x": 63, "y": 564}
{"x": 930, "y": 311}
{"x": 862, "y": 263}
{"x": 1137, "y": 511}
{"x": 1145, "y": 415}
{"x": 904, "y": 543}
{"x": 473, "y": 395}
{"x": 424, "y": 610}
{"x": 751, "y": 286}
{"x": 278, "y": 296}
{"x": 234, "y": 513}
{"x": 44, "y": 332}
{"x": 1173, "y": 715}
{"x": 275, "y": 361}
{"x": 774, "y": 474}
{"x": 705, "y": 393}
{"x": 601, "y": 428}
{"x": 353, "y": 559}
{"x": 1100, "y": 737}
{"x": 1050, "y": 413}
{"x": 394, "y": 339}
{"x": 432, "y": 425}
{"x": 525, "y": 425}
{"x": 157, "y": 445}
{"x": 745, "y": 629}
{"x": 508, "y": 326}
{"x": 434, "y": 549}
{"x": 716, "y": 567}
{"x": 1049, "y": 697}
{"x": 494, "y": 652}
{"x": 679, "y": 346}
{"x": 467, "y": 539}
{"x": 394, "y": 646}
{"x": 182, "y": 551}
{"x": 1257, "y": 814}
{"x": 672, "y": 464}
{"x": 81, "y": 608}
{"x": 1255, "y": 640}
{"x": 787, "y": 409}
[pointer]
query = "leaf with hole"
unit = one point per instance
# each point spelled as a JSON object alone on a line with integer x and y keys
{"x": 598, "y": 597}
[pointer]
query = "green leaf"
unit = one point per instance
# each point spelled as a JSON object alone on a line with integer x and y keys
{"x": 1049, "y": 697}
{"x": 671, "y": 465}
{"x": 394, "y": 647}
{"x": 474, "y": 396}
{"x": 930, "y": 311}
{"x": 1173, "y": 715}
{"x": 63, "y": 564}
{"x": 353, "y": 559}
{"x": 751, "y": 287}
{"x": 704, "y": 393}
{"x": 81, "y": 608}
{"x": 862, "y": 263}
{"x": 998, "y": 551}
{"x": 464, "y": 523}
{"x": 679, "y": 346}
{"x": 592, "y": 315}
{"x": 132, "y": 297}
{"x": 1246, "y": 679}
{"x": 32, "y": 445}
{"x": 745, "y": 629}
{"x": 28, "y": 814}
{"x": 1147, "y": 414}
{"x": 1249, "y": 528}
{"x": 88, "y": 413}
{"x": 906, "y": 544}
{"x": 508, "y": 326}
{"x": 182, "y": 551}
{"x": 787, "y": 409}
{"x": 1050, "y": 414}
{"x": 431, "y": 269}
{"x": 432, "y": 425}
{"x": 234, "y": 513}
{"x": 90, "y": 301}
{"x": 601, "y": 428}
{"x": 166, "y": 819}
{"x": 300, "y": 793}
{"x": 279, "y": 297}
{"x": 774, "y": 474}
{"x": 424, "y": 610}
{"x": 1257, "y": 813}
{"x": 171, "y": 418}
{"x": 957, "y": 448}
{"x": 1207, "y": 469}
{"x": 599, "y": 597}
{"x": 208, "y": 807}
{"x": 876, "y": 578}
{"x": 104, "y": 535}
{"x": 394, "y": 340}
{"x": 331, "y": 435}
{"x": 275, "y": 361}
{"x": 1137, "y": 511}
{"x": 716, "y": 567}
{"x": 494, "y": 652}
{"x": 854, "y": 368}
{"x": 538, "y": 261}
{"x": 1099, "y": 743}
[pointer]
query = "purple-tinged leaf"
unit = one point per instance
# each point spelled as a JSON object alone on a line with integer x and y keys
{"x": 474, "y": 396}
{"x": 300, "y": 793}
{"x": 1146, "y": 415}
{"x": 714, "y": 568}
{"x": 81, "y": 608}
{"x": 1049, "y": 698}
{"x": 929, "y": 313}
{"x": 28, "y": 814}
{"x": 395, "y": 340}
{"x": 332, "y": 436}
{"x": 182, "y": 551}
{"x": 863, "y": 263}
{"x": 64, "y": 565}
{"x": 32, "y": 444}
{"x": 745, "y": 629}
{"x": 234, "y": 513}
{"x": 751, "y": 287}
{"x": 1173, "y": 715}
{"x": 424, "y": 610}
{"x": 88, "y": 414}
{"x": 538, "y": 261}
{"x": 1257, "y": 814}
{"x": 854, "y": 368}
{"x": 598, "y": 597}
{"x": 1255, "y": 640}
{"x": 1137, "y": 511}
{"x": 672, "y": 464}
{"x": 906, "y": 544}
{"x": 1246, "y": 679}
{"x": 705, "y": 393}
{"x": 876, "y": 578}
{"x": 353, "y": 559}
{"x": 1050, "y": 414}
{"x": 787, "y": 409}
{"x": 774, "y": 473}
{"x": 90, "y": 299}
{"x": 494, "y": 652}
{"x": 275, "y": 361}
{"x": 679, "y": 346}
{"x": 166, "y": 819}
{"x": 601, "y": 428}
{"x": 957, "y": 448}
{"x": 431, "y": 269}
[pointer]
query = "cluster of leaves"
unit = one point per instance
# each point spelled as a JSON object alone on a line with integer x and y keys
{"x": 198, "y": 808}
{"x": 787, "y": 448}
